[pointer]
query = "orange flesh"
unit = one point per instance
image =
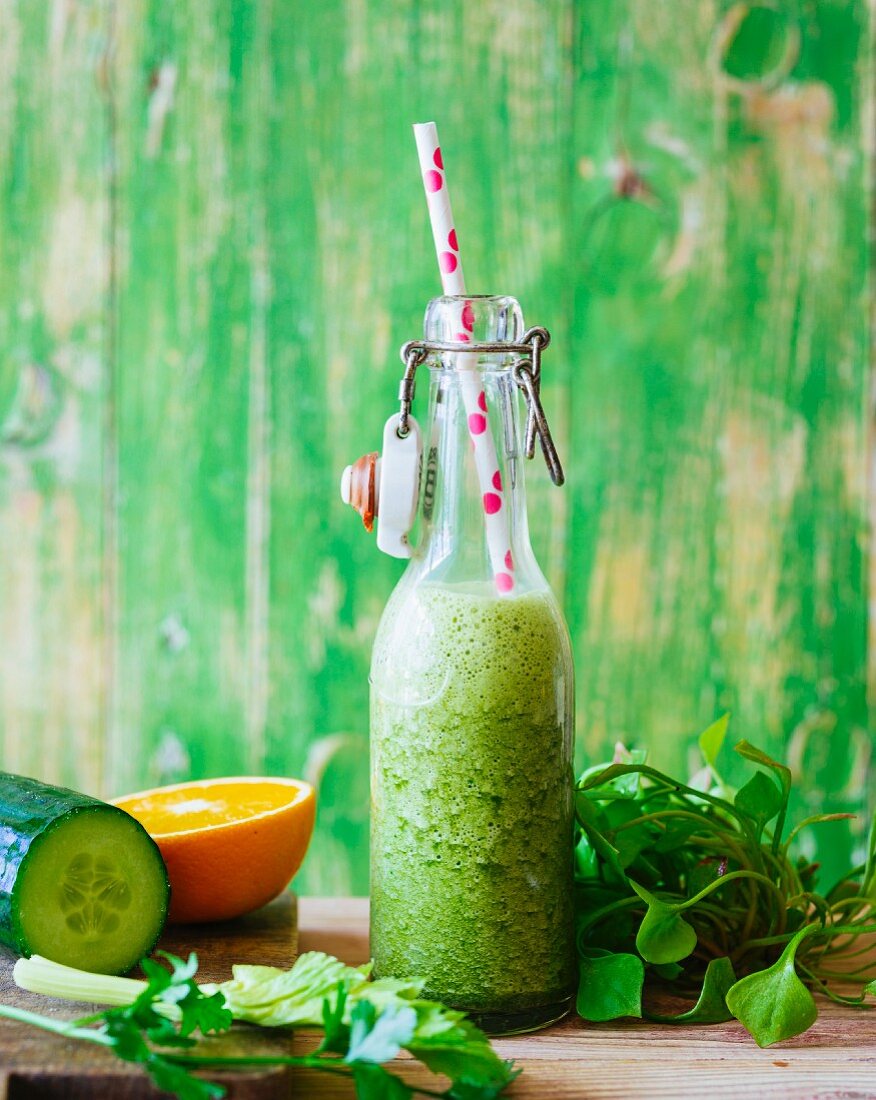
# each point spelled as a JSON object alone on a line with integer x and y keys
{"x": 230, "y": 845}
{"x": 190, "y": 806}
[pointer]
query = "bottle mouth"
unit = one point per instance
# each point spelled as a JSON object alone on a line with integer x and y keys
{"x": 474, "y": 318}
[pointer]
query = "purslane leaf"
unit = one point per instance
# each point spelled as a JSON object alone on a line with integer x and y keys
{"x": 609, "y": 986}
{"x": 664, "y": 936}
{"x": 711, "y": 740}
{"x": 623, "y": 786}
{"x": 761, "y": 799}
{"x": 758, "y": 756}
{"x": 711, "y": 1006}
{"x": 774, "y": 1004}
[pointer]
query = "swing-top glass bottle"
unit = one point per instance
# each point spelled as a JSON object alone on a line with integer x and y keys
{"x": 471, "y": 722}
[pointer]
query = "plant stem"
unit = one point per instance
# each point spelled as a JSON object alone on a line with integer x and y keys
{"x": 68, "y": 1028}
{"x": 335, "y": 1066}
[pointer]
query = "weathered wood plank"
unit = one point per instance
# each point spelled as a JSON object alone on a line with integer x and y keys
{"x": 54, "y": 279}
{"x": 720, "y": 520}
{"x": 675, "y": 190}
{"x": 188, "y": 358}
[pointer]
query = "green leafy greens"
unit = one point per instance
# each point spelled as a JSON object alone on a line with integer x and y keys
{"x": 694, "y": 888}
{"x": 364, "y": 1024}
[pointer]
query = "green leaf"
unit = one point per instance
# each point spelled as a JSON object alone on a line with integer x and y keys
{"x": 711, "y": 1006}
{"x": 179, "y": 1082}
{"x": 758, "y": 756}
{"x": 624, "y": 786}
{"x": 629, "y": 843}
{"x": 610, "y": 986}
{"x": 667, "y": 971}
{"x": 664, "y": 936}
{"x": 870, "y": 987}
{"x": 761, "y": 799}
{"x": 586, "y": 860}
{"x": 181, "y": 971}
{"x": 208, "y": 1015}
{"x": 817, "y": 819}
{"x": 336, "y": 1032}
{"x": 711, "y": 741}
{"x": 272, "y": 997}
{"x": 774, "y": 1004}
{"x": 868, "y": 884}
{"x": 464, "y": 1090}
{"x": 378, "y": 1037}
{"x": 199, "y": 1010}
{"x": 704, "y": 873}
{"x": 375, "y": 1083}
{"x": 676, "y": 835}
{"x": 461, "y": 1052}
{"x": 590, "y": 821}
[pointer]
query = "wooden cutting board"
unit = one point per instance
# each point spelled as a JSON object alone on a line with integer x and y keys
{"x": 35, "y": 1065}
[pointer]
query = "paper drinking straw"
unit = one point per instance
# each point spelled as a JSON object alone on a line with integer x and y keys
{"x": 473, "y": 396}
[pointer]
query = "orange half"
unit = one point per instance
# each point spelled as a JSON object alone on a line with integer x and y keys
{"x": 230, "y": 845}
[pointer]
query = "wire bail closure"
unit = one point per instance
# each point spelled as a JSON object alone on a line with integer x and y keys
{"x": 525, "y": 370}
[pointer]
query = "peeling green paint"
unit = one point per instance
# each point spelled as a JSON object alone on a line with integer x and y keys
{"x": 212, "y": 241}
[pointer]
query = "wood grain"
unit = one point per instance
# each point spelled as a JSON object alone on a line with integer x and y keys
{"x": 212, "y": 242}
{"x": 719, "y": 513}
{"x": 54, "y": 282}
{"x": 574, "y": 1060}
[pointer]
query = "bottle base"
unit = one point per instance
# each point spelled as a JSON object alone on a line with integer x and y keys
{"x": 517, "y": 1023}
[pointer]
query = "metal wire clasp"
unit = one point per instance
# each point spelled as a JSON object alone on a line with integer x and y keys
{"x": 525, "y": 370}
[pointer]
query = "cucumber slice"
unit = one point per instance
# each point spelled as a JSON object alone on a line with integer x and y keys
{"x": 90, "y": 888}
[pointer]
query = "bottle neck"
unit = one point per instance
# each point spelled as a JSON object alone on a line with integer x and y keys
{"x": 473, "y": 521}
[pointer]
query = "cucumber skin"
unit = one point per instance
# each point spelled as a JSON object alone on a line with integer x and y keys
{"x": 29, "y": 808}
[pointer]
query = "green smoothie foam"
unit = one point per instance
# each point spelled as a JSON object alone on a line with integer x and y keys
{"x": 472, "y": 797}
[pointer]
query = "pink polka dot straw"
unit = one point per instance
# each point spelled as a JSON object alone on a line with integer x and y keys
{"x": 474, "y": 399}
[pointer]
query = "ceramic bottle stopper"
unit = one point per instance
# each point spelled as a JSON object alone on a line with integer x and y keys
{"x": 386, "y": 486}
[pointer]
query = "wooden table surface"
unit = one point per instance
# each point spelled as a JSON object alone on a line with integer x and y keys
{"x": 628, "y": 1060}
{"x": 635, "y": 1060}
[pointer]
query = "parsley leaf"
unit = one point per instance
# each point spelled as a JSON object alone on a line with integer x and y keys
{"x": 364, "y": 1024}
{"x": 378, "y": 1037}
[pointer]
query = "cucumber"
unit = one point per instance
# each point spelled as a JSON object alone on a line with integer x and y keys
{"x": 81, "y": 882}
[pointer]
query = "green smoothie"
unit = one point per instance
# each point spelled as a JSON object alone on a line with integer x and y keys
{"x": 471, "y": 862}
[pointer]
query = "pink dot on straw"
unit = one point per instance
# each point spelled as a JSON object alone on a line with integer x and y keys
{"x": 492, "y": 503}
{"x": 509, "y": 561}
{"x": 477, "y": 424}
{"x": 482, "y": 397}
{"x": 436, "y": 158}
{"x": 497, "y": 481}
{"x": 447, "y": 262}
{"x": 468, "y": 316}
{"x": 462, "y": 337}
{"x": 451, "y": 240}
{"x": 433, "y": 181}
{"x": 504, "y": 582}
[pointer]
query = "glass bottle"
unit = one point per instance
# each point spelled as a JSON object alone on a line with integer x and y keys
{"x": 471, "y": 723}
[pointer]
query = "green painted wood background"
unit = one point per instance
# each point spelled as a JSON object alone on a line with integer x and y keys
{"x": 212, "y": 242}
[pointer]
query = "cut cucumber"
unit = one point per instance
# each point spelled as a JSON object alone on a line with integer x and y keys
{"x": 81, "y": 882}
